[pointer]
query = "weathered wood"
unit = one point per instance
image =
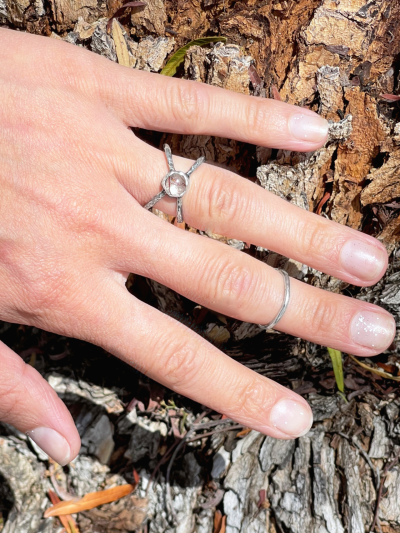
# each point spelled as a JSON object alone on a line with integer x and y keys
{"x": 314, "y": 484}
{"x": 333, "y": 56}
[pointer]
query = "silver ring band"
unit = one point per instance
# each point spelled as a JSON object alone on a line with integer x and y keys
{"x": 285, "y": 304}
{"x": 175, "y": 183}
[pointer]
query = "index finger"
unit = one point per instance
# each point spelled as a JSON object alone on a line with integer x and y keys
{"x": 153, "y": 101}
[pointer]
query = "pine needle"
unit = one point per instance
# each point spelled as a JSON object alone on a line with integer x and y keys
{"x": 89, "y": 501}
{"x": 336, "y": 358}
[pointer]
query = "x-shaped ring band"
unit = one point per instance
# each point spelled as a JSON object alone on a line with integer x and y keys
{"x": 175, "y": 183}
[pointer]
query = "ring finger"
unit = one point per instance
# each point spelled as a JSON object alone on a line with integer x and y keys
{"x": 233, "y": 283}
{"x": 238, "y": 285}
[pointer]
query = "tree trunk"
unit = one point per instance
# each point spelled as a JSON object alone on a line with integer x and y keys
{"x": 337, "y": 57}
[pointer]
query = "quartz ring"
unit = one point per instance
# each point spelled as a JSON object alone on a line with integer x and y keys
{"x": 285, "y": 304}
{"x": 175, "y": 183}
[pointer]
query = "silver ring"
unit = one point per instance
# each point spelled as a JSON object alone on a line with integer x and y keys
{"x": 285, "y": 304}
{"x": 175, "y": 183}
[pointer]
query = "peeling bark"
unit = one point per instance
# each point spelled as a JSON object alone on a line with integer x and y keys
{"x": 336, "y": 57}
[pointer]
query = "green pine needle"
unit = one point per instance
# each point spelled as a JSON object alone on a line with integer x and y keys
{"x": 336, "y": 357}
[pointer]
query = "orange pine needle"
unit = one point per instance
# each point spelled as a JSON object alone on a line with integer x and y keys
{"x": 67, "y": 521}
{"x": 217, "y": 521}
{"x": 244, "y": 432}
{"x": 136, "y": 477}
{"x": 223, "y": 525}
{"x": 89, "y": 501}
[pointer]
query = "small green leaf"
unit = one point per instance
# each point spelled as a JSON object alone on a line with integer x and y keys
{"x": 336, "y": 357}
{"x": 177, "y": 59}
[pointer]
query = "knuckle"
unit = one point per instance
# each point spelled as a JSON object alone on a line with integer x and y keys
{"x": 234, "y": 285}
{"x": 10, "y": 387}
{"x": 227, "y": 205}
{"x": 10, "y": 391}
{"x": 257, "y": 119}
{"x": 39, "y": 285}
{"x": 79, "y": 70}
{"x": 75, "y": 206}
{"x": 7, "y": 408}
{"x": 81, "y": 214}
{"x": 190, "y": 105}
{"x": 315, "y": 240}
{"x": 43, "y": 291}
{"x": 23, "y": 386}
{"x": 180, "y": 365}
{"x": 321, "y": 316}
{"x": 250, "y": 398}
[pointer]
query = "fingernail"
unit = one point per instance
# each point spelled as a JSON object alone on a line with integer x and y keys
{"x": 292, "y": 418}
{"x": 363, "y": 260}
{"x": 372, "y": 330}
{"x": 51, "y": 443}
{"x": 311, "y": 128}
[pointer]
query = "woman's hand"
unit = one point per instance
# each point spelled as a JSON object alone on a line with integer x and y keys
{"x": 74, "y": 179}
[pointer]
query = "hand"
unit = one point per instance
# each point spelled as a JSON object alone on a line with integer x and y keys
{"x": 74, "y": 179}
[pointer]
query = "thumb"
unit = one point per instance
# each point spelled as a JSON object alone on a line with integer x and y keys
{"x": 28, "y": 403}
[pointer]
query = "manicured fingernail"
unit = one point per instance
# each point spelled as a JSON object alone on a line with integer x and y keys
{"x": 292, "y": 418}
{"x": 311, "y": 128}
{"x": 51, "y": 443}
{"x": 372, "y": 330}
{"x": 363, "y": 260}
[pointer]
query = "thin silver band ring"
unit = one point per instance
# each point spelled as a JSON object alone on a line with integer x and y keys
{"x": 285, "y": 304}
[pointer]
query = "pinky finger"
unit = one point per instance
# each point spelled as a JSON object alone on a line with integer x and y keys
{"x": 28, "y": 403}
{"x": 175, "y": 356}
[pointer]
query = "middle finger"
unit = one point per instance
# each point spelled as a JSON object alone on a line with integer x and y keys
{"x": 224, "y": 203}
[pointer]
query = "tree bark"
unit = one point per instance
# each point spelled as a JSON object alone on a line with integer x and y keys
{"x": 337, "y": 57}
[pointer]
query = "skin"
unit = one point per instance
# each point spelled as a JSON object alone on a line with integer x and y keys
{"x": 74, "y": 179}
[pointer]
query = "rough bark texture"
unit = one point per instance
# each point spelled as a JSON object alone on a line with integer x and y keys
{"x": 336, "y": 57}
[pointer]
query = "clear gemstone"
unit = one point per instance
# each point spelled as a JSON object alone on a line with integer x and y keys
{"x": 177, "y": 184}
